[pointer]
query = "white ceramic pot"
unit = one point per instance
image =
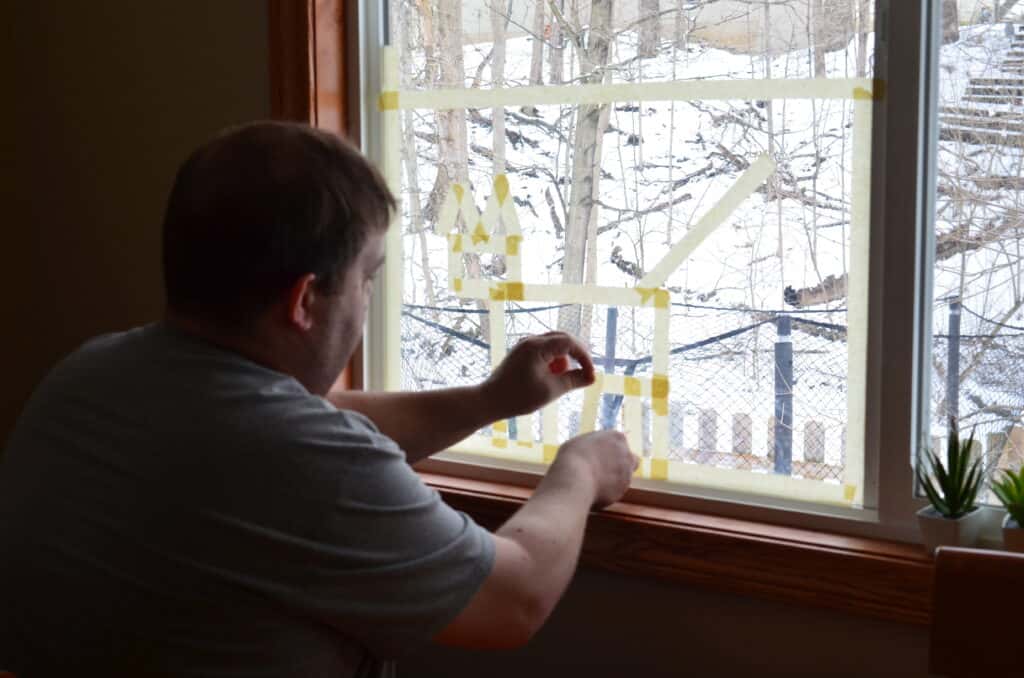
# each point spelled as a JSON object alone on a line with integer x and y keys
{"x": 938, "y": 531}
{"x": 1013, "y": 535}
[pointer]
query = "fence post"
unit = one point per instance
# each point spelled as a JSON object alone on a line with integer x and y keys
{"x": 610, "y": 337}
{"x": 783, "y": 396}
{"x": 953, "y": 365}
{"x": 707, "y": 436}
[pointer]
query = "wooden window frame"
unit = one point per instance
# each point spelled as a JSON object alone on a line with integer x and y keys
{"x": 315, "y": 78}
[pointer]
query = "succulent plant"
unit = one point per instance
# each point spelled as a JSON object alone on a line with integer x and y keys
{"x": 952, "y": 487}
{"x": 1010, "y": 490}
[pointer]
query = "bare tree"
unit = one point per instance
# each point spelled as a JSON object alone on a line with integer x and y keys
{"x": 593, "y": 56}
{"x": 950, "y": 21}
{"x": 555, "y": 36}
{"x": 650, "y": 22}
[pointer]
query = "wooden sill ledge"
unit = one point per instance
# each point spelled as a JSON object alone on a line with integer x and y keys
{"x": 872, "y": 577}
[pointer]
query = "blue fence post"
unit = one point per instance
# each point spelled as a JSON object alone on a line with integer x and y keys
{"x": 610, "y": 337}
{"x": 783, "y": 396}
{"x": 953, "y": 366}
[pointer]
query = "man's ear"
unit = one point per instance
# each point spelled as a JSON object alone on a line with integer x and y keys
{"x": 300, "y": 302}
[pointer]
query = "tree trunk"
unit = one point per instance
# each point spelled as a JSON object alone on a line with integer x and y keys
{"x": 497, "y": 82}
{"x": 650, "y": 33}
{"x": 556, "y": 52}
{"x": 586, "y": 161}
{"x": 950, "y": 22}
{"x": 864, "y": 27}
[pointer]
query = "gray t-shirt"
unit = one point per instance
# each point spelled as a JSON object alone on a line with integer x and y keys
{"x": 171, "y": 508}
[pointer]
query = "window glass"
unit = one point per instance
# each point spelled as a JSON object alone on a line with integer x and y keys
{"x": 978, "y": 304}
{"x": 683, "y": 185}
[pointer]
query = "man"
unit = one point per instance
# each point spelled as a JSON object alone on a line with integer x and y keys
{"x": 191, "y": 498}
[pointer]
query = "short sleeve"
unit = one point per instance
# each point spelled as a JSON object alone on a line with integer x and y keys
{"x": 393, "y": 564}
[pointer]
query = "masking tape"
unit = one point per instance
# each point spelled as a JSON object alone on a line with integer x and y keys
{"x": 388, "y": 101}
{"x": 566, "y": 294}
{"x": 688, "y": 90}
{"x": 659, "y": 469}
{"x": 659, "y": 386}
{"x": 633, "y": 423}
{"x": 588, "y": 416}
{"x": 512, "y": 245}
{"x": 549, "y": 453}
{"x": 524, "y": 429}
{"x": 480, "y": 234}
{"x": 857, "y": 294}
{"x": 849, "y": 492}
{"x": 660, "y": 344}
{"x": 496, "y": 316}
{"x": 549, "y": 424}
{"x": 632, "y": 386}
{"x": 456, "y": 242}
{"x": 659, "y": 406}
{"x": 499, "y": 442}
{"x": 457, "y": 284}
{"x": 712, "y": 219}
{"x": 391, "y": 275}
{"x": 500, "y": 425}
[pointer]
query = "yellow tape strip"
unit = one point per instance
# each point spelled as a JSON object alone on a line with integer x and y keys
{"x": 715, "y": 217}
{"x": 688, "y": 90}
{"x": 659, "y": 469}
{"x": 388, "y": 101}
{"x": 549, "y": 453}
{"x": 500, "y": 425}
{"x": 632, "y": 386}
{"x": 659, "y": 386}
{"x": 512, "y": 245}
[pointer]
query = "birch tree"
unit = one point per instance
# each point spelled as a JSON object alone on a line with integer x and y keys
{"x": 593, "y": 49}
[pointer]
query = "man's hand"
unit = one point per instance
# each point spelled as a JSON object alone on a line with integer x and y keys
{"x": 601, "y": 456}
{"x": 533, "y": 374}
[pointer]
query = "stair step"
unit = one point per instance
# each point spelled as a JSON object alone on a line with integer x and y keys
{"x": 995, "y": 91}
{"x": 959, "y": 110}
{"x": 1000, "y": 101}
{"x": 997, "y": 82}
{"x": 981, "y": 138}
{"x": 981, "y": 124}
{"x": 999, "y": 183}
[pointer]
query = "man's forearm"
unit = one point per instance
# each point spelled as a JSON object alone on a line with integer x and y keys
{"x": 549, "y": 528}
{"x": 424, "y": 422}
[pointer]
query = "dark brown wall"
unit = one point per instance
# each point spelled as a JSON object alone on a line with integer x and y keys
{"x": 609, "y": 626}
{"x": 109, "y": 96}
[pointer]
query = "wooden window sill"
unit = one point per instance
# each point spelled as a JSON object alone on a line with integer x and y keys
{"x": 872, "y": 577}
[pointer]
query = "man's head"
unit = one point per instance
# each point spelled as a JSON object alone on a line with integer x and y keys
{"x": 277, "y": 228}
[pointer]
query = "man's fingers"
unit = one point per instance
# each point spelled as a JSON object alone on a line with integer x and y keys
{"x": 578, "y": 378}
{"x": 557, "y": 344}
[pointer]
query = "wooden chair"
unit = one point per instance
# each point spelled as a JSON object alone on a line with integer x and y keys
{"x": 978, "y": 604}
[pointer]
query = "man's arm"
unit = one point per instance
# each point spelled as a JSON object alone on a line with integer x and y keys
{"x": 430, "y": 421}
{"x": 537, "y": 549}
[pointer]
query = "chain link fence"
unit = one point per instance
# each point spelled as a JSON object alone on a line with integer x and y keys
{"x": 731, "y": 403}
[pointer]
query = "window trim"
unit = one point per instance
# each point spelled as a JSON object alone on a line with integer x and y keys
{"x": 743, "y": 548}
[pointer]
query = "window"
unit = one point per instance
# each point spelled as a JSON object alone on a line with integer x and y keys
{"x": 757, "y": 188}
{"x": 978, "y": 300}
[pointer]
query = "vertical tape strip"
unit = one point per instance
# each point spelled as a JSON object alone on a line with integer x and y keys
{"x": 591, "y": 396}
{"x": 391, "y": 168}
{"x": 633, "y": 424}
{"x": 857, "y": 296}
{"x": 549, "y": 431}
{"x": 524, "y": 430}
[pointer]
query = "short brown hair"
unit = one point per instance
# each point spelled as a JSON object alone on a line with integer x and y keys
{"x": 257, "y": 208}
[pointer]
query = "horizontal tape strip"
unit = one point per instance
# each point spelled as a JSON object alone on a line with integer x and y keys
{"x": 687, "y": 90}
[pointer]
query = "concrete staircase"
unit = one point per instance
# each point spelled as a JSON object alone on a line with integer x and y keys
{"x": 997, "y": 114}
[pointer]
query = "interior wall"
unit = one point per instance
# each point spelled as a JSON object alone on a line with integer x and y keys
{"x": 109, "y": 96}
{"x": 610, "y": 626}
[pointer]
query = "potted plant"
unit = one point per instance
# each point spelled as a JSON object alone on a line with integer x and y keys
{"x": 1010, "y": 490}
{"x": 953, "y": 519}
